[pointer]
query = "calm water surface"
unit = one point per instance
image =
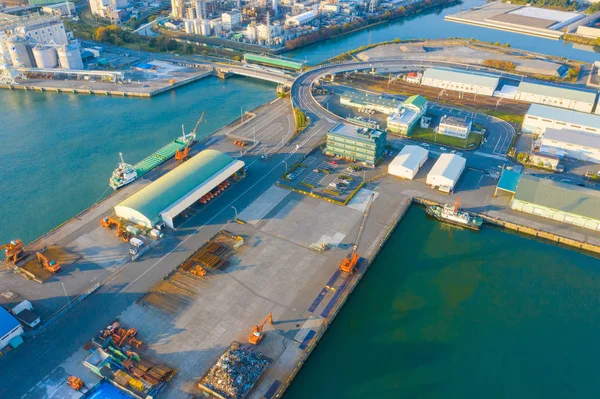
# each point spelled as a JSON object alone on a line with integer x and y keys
{"x": 451, "y": 314}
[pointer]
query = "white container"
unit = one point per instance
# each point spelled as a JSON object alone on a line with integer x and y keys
{"x": 136, "y": 242}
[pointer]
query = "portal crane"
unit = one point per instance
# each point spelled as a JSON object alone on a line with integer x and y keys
{"x": 182, "y": 155}
{"x": 13, "y": 251}
{"x": 257, "y": 332}
{"x": 50, "y": 265}
{"x": 349, "y": 263}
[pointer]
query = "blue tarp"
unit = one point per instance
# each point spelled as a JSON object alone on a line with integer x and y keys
{"x": 7, "y": 322}
{"x": 509, "y": 180}
{"x": 105, "y": 390}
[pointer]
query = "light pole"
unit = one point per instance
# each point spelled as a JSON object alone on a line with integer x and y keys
{"x": 65, "y": 290}
{"x": 286, "y": 166}
{"x": 242, "y": 114}
{"x": 236, "y": 212}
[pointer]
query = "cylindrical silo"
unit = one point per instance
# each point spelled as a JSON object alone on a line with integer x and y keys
{"x": 45, "y": 57}
{"x": 70, "y": 57}
{"x": 189, "y": 25}
{"x": 19, "y": 53}
{"x": 205, "y": 28}
{"x": 198, "y": 26}
{"x": 217, "y": 27}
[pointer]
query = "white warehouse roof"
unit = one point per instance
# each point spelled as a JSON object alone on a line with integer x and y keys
{"x": 472, "y": 78}
{"x": 558, "y": 92}
{"x": 564, "y": 115}
{"x": 446, "y": 171}
{"x": 305, "y": 16}
{"x": 407, "y": 163}
{"x": 583, "y": 139}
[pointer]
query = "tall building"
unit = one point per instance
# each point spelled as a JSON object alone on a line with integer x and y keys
{"x": 107, "y": 8}
{"x": 231, "y": 19}
{"x": 177, "y": 9}
{"x": 356, "y": 143}
{"x": 275, "y": 6}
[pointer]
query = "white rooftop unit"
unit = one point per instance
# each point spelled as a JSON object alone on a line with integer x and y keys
{"x": 408, "y": 162}
{"x": 445, "y": 173}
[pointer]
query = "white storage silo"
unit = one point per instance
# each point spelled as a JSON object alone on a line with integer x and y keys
{"x": 19, "y": 53}
{"x": 205, "y": 28}
{"x": 198, "y": 26}
{"x": 45, "y": 57}
{"x": 189, "y": 25}
{"x": 217, "y": 27}
{"x": 70, "y": 57}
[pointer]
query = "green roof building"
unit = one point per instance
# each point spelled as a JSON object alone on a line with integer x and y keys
{"x": 276, "y": 62}
{"x": 562, "y": 202}
{"x": 356, "y": 143}
{"x": 165, "y": 198}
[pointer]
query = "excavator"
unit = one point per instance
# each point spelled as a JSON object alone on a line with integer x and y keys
{"x": 257, "y": 332}
{"x": 13, "y": 251}
{"x": 183, "y": 154}
{"x": 348, "y": 265}
{"x": 76, "y": 383}
{"x": 122, "y": 233}
{"x": 50, "y": 265}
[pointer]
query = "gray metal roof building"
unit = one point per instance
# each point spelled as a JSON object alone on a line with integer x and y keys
{"x": 579, "y": 138}
{"x": 468, "y": 81}
{"x": 559, "y": 201}
{"x": 577, "y": 100}
{"x": 539, "y": 118}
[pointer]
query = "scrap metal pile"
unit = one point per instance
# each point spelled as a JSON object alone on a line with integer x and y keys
{"x": 236, "y": 371}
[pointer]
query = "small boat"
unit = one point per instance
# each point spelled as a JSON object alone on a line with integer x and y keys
{"x": 124, "y": 174}
{"x": 454, "y": 215}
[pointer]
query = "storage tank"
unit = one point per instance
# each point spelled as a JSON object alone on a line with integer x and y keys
{"x": 217, "y": 27}
{"x": 189, "y": 25}
{"x": 19, "y": 53}
{"x": 198, "y": 26}
{"x": 70, "y": 57}
{"x": 45, "y": 57}
{"x": 205, "y": 28}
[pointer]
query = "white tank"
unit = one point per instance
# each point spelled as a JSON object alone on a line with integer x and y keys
{"x": 69, "y": 57}
{"x": 205, "y": 28}
{"x": 189, "y": 25}
{"x": 19, "y": 53}
{"x": 198, "y": 26}
{"x": 45, "y": 57}
{"x": 217, "y": 27}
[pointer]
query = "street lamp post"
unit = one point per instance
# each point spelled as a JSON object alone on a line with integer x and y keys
{"x": 65, "y": 290}
{"x": 286, "y": 166}
{"x": 236, "y": 212}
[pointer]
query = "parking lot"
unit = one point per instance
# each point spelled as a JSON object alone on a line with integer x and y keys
{"x": 330, "y": 178}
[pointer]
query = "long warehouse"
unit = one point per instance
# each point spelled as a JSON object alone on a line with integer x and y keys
{"x": 467, "y": 81}
{"x": 167, "y": 197}
{"x": 577, "y": 100}
{"x": 541, "y": 117}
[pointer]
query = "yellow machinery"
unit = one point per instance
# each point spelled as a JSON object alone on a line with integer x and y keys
{"x": 348, "y": 265}
{"x": 257, "y": 332}
{"x": 13, "y": 251}
{"x": 50, "y": 265}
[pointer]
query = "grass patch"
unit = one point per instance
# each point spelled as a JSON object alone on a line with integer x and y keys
{"x": 515, "y": 119}
{"x": 470, "y": 143}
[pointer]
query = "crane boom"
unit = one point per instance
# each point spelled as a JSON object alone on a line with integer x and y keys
{"x": 198, "y": 123}
{"x": 349, "y": 263}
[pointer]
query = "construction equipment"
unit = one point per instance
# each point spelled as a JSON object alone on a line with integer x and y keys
{"x": 122, "y": 232}
{"x": 50, "y": 265}
{"x": 13, "y": 251}
{"x": 257, "y": 332}
{"x": 183, "y": 154}
{"x": 75, "y": 382}
{"x": 349, "y": 263}
{"x": 198, "y": 271}
{"x": 240, "y": 143}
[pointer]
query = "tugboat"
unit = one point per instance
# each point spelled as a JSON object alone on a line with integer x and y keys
{"x": 453, "y": 215}
{"x": 122, "y": 175}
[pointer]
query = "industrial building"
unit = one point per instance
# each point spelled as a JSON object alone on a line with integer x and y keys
{"x": 166, "y": 198}
{"x": 455, "y": 126}
{"x": 542, "y": 117}
{"x": 10, "y": 330}
{"x": 408, "y": 162}
{"x": 562, "y": 202}
{"x": 408, "y": 115}
{"x": 445, "y": 173}
{"x": 356, "y": 144}
{"x": 544, "y": 160}
{"x": 364, "y": 100}
{"x": 301, "y": 19}
{"x": 577, "y": 100}
{"x": 573, "y": 144}
{"x": 231, "y": 19}
{"x": 468, "y": 82}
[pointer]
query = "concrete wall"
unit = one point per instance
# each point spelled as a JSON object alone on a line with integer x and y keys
{"x": 555, "y": 215}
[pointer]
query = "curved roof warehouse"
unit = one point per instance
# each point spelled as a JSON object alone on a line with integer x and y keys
{"x": 171, "y": 194}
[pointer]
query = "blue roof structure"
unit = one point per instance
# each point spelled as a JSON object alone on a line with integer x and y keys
{"x": 564, "y": 115}
{"x": 7, "y": 322}
{"x": 509, "y": 180}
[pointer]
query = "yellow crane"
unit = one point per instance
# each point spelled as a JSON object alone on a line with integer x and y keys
{"x": 349, "y": 263}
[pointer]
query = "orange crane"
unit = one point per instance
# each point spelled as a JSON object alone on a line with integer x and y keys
{"x": 349, "y": 263}
{"x": 13, "y": 250}
{"x": 122, "y": 233}
{"x": 182, "y": 155}
{"x": 50, "y": 265}
{"x": 257, "y": 332}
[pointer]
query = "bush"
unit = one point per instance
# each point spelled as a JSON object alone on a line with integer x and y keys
{"x": 498, "y": 64}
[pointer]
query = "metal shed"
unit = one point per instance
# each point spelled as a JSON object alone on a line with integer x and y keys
{"x": 408, "y": 162}
{"x": 445, "y": 173}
